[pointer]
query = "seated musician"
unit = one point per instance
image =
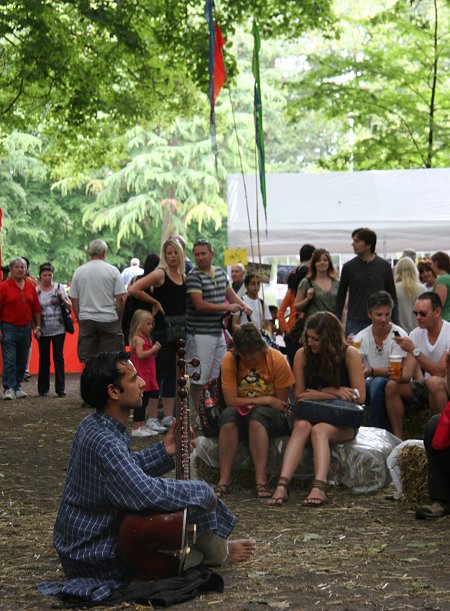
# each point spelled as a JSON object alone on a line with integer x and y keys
{"x": 105, "y": 482}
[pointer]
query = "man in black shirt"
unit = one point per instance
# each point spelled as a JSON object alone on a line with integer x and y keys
{"x": 365, "y": 274}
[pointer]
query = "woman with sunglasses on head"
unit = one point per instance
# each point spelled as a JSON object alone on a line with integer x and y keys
{"x": 324, "y": 369}
{"x": 168, "y": 298}
{"x": 376, "y": 344}
{"x": 317, "y": 292}
{"x": 51, "y": 296}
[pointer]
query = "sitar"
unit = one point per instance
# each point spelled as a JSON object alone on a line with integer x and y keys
{"x": 156, "y": 544}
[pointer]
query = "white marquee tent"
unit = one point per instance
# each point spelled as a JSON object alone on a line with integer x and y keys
{"x": 406, "y": 208}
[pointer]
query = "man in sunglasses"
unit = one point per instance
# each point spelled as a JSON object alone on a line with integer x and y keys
{"x": 209, "y": 297}
{"x": 427, "y": 347}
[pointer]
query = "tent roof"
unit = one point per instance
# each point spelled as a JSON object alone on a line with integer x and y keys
{"x": 406, "y": 208}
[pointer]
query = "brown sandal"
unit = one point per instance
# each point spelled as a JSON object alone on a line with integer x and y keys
{"x": 277, "y": 501}
{"x": 222, "y": 489}
{"x": 315, "y": 501}
{"x": 262, "y": 492}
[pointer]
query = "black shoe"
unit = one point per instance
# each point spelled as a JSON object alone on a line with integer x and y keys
{"x": 62, "y": 393}
{"x": 436, "y": 510}
{"x": 43, "y": 394}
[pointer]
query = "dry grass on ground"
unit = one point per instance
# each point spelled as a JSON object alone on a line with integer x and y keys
{"x": 357, "y": 552}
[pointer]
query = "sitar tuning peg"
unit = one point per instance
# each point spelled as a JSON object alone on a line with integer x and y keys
{"x": 196, "y": 376}
{"x": 195, "y": 362}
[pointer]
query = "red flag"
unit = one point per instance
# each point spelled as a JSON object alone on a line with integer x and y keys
{"x": 219, "y": 75}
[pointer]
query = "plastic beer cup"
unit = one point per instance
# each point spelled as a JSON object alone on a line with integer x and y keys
{"x": 395, "y": 363}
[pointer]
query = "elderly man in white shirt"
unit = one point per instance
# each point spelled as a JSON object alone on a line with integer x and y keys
{"x": 131, "y": 272}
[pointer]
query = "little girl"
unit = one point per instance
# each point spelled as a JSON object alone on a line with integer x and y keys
{"x": 143, "y": 354}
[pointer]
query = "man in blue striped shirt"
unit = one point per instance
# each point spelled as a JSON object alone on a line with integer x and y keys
{"x": 105, "y": 482}
{"x": 209, "y": 298}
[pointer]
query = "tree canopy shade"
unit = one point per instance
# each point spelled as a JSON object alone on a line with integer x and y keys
{"x": 72, "y": 66}
{"x": 387, "y": 79}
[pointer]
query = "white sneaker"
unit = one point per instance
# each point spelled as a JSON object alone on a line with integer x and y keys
{"x": 143, "y": 431}
{"x": 154, "y": 425}
{"x": 167, "y": 422}
{"x": 9, "y": 394}
{"x": 21, "y": 394}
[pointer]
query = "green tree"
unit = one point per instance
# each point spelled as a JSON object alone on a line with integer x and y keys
{"x": 82, "y": 70}
{"x": 168, "y": 184}
{"x": 39, "y": 223}
{"x": 387, "y": 80}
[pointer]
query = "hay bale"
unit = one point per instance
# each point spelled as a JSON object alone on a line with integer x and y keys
{"x": 206, "y": 472}
{"x": 413, "y": 465}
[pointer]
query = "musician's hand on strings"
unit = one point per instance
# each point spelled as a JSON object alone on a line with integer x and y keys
{"x": 170, "y": 444}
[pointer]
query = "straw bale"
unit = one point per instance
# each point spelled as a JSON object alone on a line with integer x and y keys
{"x": 413, "y": 465}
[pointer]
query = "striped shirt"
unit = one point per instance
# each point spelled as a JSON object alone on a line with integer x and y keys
{"x": 104, "y": 482}
{"x": 213, "y": 288}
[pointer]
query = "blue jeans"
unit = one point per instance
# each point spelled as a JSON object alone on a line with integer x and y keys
{"x": 375, "y": 397}
{"x": 16, "y": 343}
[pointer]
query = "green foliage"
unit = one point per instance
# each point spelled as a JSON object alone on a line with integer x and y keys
{"x": 389, "y": 76}
{"x": 82, "y": 71}
{"x": 168, "y": 183}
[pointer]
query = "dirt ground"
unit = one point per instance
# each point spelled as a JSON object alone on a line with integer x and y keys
{"x": 357, "y": 552}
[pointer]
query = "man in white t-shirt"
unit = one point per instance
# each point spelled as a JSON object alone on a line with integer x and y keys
{"x": 131, "y": 272}
{"x": 427, "y": 348}
{"x": 97, "y": 293}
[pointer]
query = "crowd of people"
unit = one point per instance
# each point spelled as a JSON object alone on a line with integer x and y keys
{"x": 372, "y": 336}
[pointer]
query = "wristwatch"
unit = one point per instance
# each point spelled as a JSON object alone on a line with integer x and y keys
{"x": 416, "y": 352}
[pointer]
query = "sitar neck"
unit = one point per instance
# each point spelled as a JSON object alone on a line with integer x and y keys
{"x": 183, "y": 413}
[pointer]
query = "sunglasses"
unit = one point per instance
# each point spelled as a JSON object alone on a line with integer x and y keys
{"x": 420, "y": 313}
{"x": 201, "y": 242}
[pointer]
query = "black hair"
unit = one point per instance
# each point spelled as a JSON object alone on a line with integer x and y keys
{"x": 249, "y": 277}
{"x": 380, "y": 299}
{"x": 151, "y": 263}
{"x": 367, "y": 236}
{"x": 306, "y": 252}
{"x": 433, "y": 298}
{"x": 46, "y": 267}
{"x": 99, "y": 372}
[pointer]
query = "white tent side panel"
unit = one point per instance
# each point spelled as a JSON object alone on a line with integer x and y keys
{"x": 406, "y": 208}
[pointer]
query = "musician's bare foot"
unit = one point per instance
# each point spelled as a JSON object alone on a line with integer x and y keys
{"x": 241, "y": 550}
